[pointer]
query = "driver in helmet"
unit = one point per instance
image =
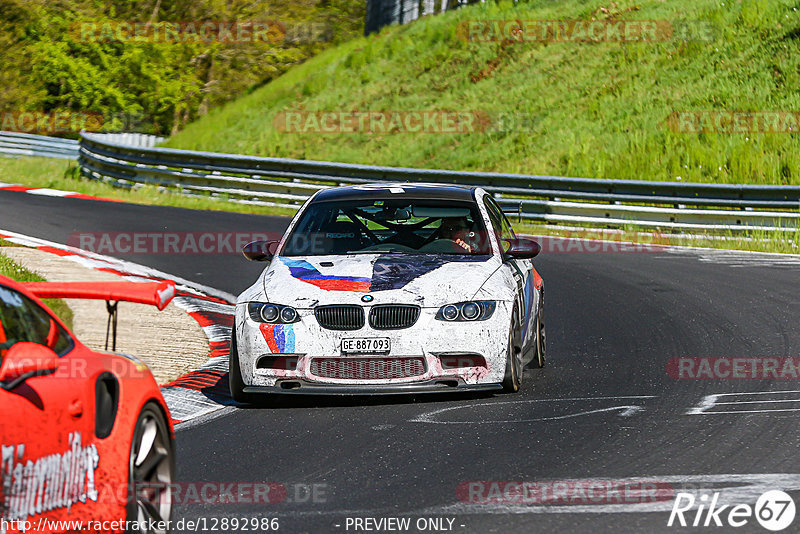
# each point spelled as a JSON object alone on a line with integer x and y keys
{"x": 457, "y": 230}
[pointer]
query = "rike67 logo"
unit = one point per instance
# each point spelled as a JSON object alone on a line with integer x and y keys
{"x": 774, "y": 510}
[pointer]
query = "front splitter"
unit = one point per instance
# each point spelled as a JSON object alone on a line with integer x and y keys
{"x": 306, "y": 387}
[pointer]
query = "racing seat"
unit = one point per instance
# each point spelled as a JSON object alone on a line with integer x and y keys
{"x": 339, "y": 237}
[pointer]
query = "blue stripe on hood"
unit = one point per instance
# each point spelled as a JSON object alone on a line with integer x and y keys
{"x": 396, "y": 271}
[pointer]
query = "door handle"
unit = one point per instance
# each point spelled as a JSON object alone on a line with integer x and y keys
{"x": 76, "y": 408}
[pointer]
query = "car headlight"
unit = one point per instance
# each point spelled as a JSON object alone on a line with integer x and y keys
{"x": 479, "y": 310}
{"x": 262, "y": 312}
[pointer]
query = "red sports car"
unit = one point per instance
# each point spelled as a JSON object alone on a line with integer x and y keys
{"x": 85, "y": 436}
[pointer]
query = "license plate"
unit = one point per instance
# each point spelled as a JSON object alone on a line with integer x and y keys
{"x": 366, "y": 345}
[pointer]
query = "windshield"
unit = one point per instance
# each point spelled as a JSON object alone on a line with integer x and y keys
{"x": 389, "y": 226}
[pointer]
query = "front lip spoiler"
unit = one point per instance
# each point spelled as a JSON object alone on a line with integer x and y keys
{"x": 305, "y": 387}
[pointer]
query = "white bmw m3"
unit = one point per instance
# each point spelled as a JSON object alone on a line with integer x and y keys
{"x": 378, "y": 289}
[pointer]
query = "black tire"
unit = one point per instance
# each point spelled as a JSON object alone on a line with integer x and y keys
{"x": 151, "y": 469}
{"x": 540, "y": 359}
{"x": 512, "y": 380}
{"x": 235, "y": 382}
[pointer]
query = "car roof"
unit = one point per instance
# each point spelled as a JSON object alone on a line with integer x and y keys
{"x": 398, "y": 191}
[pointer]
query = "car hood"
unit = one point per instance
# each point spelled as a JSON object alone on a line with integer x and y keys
{"x": 424, "y": 280}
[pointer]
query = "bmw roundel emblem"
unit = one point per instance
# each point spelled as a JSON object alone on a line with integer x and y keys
{"x": 367, "y": 298}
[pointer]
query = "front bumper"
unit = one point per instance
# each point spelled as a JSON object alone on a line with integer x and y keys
{"x": 428, "y": 339}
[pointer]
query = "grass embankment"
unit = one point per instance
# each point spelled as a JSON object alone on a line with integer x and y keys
{"x": 574, "y": 109}
{"x": 21, "y": 274}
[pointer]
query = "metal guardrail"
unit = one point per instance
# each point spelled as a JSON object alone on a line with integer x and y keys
{"x": 289, "y": 182}
{"x": 131, "y": 139}
{"x": 17, "y": 144}
{"x": 22, "y": 144}
{"x": 130, "y": 159}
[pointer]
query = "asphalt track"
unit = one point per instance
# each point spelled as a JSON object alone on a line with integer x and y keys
{"x": 604, "y": 408}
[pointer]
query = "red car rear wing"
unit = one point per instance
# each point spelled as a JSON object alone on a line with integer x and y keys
{"x": 157, "y": 294}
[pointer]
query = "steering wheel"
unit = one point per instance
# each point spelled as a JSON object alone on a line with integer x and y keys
{"x": 472, "y": 240}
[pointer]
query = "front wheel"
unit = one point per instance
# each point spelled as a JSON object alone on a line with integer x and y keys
{"x": 151, "y": 470}
{"x": 512, "y": 381}
{"x": 541, "y": 338}
{"x": 235, "y": 382}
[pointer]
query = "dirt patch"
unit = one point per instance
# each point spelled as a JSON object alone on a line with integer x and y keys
{"x": 169, "y": 341}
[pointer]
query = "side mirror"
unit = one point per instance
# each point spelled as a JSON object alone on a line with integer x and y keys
{"x": 260, "y": 250}
{"x": 522, "y": 249}
{"x": 25, "y": 360}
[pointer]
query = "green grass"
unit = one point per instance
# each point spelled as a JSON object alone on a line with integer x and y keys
{"x": 784, "y": 242}
{"x": 592, "y": 110}
{"x": 4, "y": 243}
{"x": 787, "y": 242}
{"x": 21, "y": 274}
